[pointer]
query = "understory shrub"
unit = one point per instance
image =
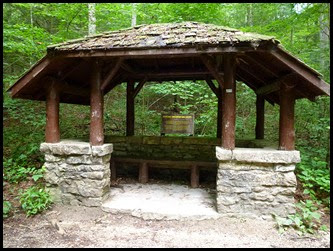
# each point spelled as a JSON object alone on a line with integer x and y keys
{"x": 35, "y": 200}
{"x": 305, "y": 220}
{"x": 314, "y": 175}
{"x": 6, "y": 207}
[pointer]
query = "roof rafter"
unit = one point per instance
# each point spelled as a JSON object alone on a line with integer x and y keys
{"x": 212, "y": 67}
{"x": 300, "y": 70}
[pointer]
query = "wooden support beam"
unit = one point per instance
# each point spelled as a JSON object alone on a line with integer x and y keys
{"x": 130, "y": 114}
{"x": 287, "y": 106}
{"x": 139, "y": 87}
{"x": 229, "y": 102}
{"x": 219, "y": 114}
{"x": 96, "y": 106}
{"x": 172, "y": 74}
{"x": 24, "y": 81}
{"x": 52, "y": 131}
{"x": 160, "y": 52}
{"x": 301, "y": 70}
{"x": 143, "y": 172}
{"x": 113, "y": 170}
{"x": 194, "y": 176}
{"x": 211, "y": 66}
{"x": 182, "y": 164}
{"x": 267, "y": 89}
{"x": 71, "y": 69}
{"x": 255, "y": 61}
{"x": 254, "y": 75}
{"x": 112, "y": 72}
{"x": 275, "y": 86}
{"x": 260, "y": 119}
{"x": 113, "y": 84}
{"x": 212, "y": 87}
{"x": 65, "y": 87}
{"x": 252, "y": 84}
{"x": 128, "y": 68}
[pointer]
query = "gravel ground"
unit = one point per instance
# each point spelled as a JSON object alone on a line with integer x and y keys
{"x": 73, "y": 226}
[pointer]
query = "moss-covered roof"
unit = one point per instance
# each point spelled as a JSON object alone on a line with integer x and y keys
{"x": 163, "y": 35}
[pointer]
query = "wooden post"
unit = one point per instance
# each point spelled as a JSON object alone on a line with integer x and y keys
{"x": 229, "y": 103}
{"x": 143, "y": 173}
{"x": 219, "y": 113}
{"x": 287, "y": 105}
{"x": 130, "y": 115}
{"x": 52, "y": 132}
{"x": 113, "y": 170}
{"x": 96, "y": 106}
{"x": 194, "y": 176}
{"x": 260, "y": 122}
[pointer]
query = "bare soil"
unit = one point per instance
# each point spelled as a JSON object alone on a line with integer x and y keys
{"x": 73, "y": 226}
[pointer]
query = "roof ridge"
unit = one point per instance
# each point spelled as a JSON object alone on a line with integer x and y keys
{"x": 161, "y": 34}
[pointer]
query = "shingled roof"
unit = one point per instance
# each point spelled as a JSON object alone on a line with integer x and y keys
{"x": 163, "y": 35}
{"x": 168, "y": 52}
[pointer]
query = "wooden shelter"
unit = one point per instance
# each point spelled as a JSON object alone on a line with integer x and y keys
{"x": 82, "y": 71}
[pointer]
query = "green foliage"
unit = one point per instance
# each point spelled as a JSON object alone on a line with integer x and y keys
{"x": 314, "y": 175}
{"x": 192, "y": 97}
{"x": 35, "y": 200}
{"x": 15, "y": 172}
{"x": 305, "y": 220}
{"x": 6, "y": 208}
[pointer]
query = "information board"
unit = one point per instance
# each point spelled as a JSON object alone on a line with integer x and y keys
{"x": 178, "y": 124}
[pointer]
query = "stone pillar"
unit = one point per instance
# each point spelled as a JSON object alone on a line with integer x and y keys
{"x": 77, "y": 173}
{"x": 255, "y": 183}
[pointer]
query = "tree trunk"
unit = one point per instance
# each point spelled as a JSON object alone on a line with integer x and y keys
{"x": 134, "y": 14}
{"x": 250, "y": 14}
{"x": 92, "y": 19}
{"x": 323, "y": 36}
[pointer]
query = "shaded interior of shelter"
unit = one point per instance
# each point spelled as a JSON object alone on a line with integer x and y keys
{"x": 174, "y": 148}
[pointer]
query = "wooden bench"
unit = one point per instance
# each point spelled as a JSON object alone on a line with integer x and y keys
{"x": 144, "y": 167}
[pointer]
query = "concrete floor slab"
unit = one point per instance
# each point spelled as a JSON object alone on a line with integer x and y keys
{"x": 162, "y": 202}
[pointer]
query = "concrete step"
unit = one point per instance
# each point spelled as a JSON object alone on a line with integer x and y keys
{"x": 162, "y": 202}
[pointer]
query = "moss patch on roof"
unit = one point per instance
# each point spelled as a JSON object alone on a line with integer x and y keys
{"x": 162, "y": 35}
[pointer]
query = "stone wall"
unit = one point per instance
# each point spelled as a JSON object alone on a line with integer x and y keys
{"x": 172, "y": 148}
{"x": 256, "y": 182}
{"x": 76, "y": 172}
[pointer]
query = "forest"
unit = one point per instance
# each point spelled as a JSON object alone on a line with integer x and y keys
{"x": 28, "y": 28}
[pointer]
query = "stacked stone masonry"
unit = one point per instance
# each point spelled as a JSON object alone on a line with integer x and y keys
{"x": 77, "y": 173}
{"x": 172, "y": 147}
{"x": 256, "y": 182}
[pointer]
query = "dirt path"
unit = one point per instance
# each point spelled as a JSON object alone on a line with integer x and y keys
{"x": 91, "y": 227}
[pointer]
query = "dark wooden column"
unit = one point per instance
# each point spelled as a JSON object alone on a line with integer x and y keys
{"x": 287, "y": 106}
{"x": 260, "y": 122}
{"x": 143, "y": 172}
{"x": 219, "y": 113}
{"x": 195, "y": 176}
{"x": 52, "y": 132}
{"x": 229, "y": 102}
{"x": 113, "y": 170}
{"x": 130, "y": 114}
{"x": 96, "y": 106}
